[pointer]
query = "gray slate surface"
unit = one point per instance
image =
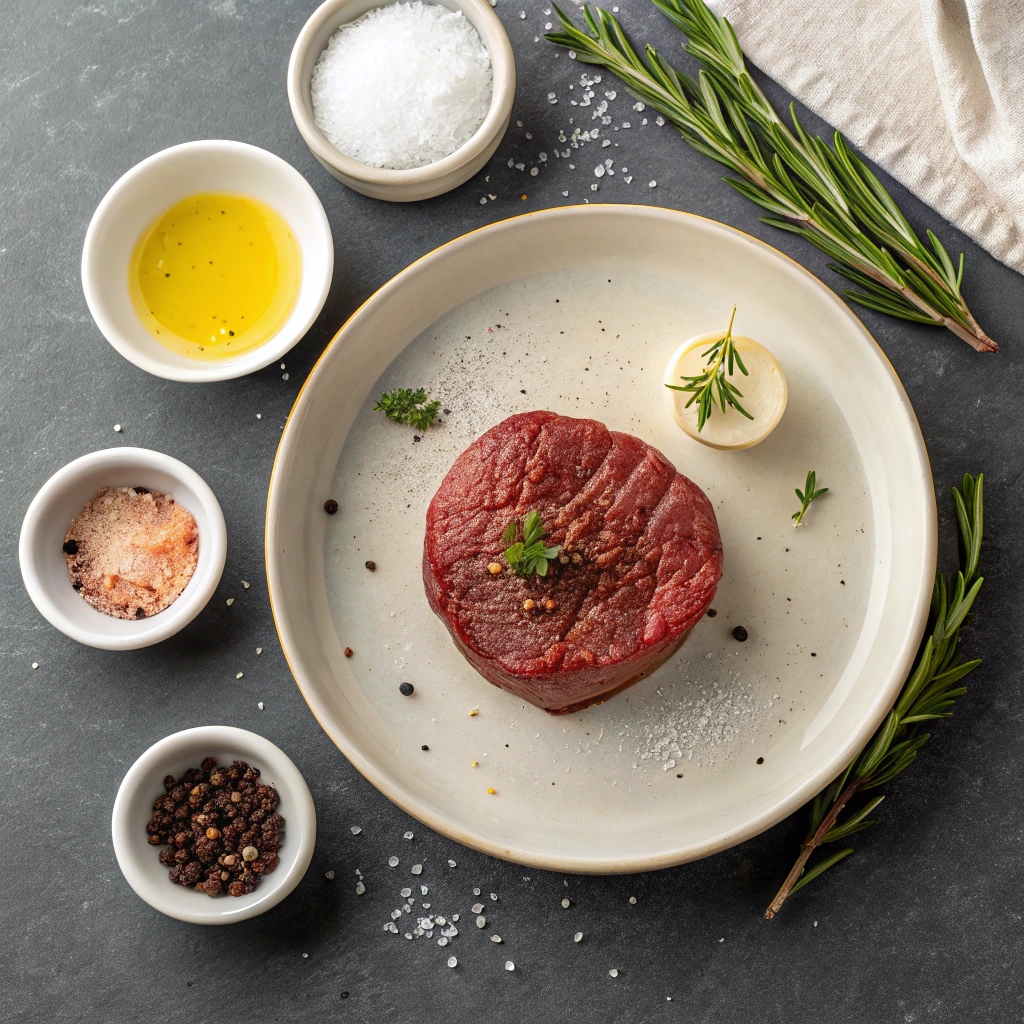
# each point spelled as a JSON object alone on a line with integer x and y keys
{"x": 924, "y": 924}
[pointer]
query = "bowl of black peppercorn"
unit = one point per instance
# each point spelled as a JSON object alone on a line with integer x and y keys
{"x": 213, "y": 825}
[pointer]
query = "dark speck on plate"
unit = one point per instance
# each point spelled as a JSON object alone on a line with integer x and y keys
{"x": 739, "y": 633}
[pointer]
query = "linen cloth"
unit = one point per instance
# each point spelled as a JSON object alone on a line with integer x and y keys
{"x": 931, "y": 90}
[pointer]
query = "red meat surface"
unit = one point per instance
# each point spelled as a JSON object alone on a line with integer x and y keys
{"x": 649, "y": 547}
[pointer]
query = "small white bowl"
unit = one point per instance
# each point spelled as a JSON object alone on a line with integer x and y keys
{"x": 145, "y": 192}
{"x": 417, "y": 182}
{"x": 44, "y": 568}
{"x": 139, "y": 862}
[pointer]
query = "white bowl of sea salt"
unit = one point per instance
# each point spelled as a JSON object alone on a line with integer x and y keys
{"x": 402, "y": 101}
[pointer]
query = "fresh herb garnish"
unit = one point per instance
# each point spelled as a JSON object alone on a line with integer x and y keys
{"x": 711, "y": 388}
{"x": 828, "y": 196}
{"x": 528, "y": 556}
{"x": 806, "y": 496}
{"x": 928, "y": 694}
{"x": 403, "y": 405}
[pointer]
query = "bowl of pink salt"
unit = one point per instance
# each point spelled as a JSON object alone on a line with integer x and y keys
{"x": 122, "y": 548}
{"x": 402, "y": 101}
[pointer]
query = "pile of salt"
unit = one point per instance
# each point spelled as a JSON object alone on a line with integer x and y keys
{"x": 403, "y": 86}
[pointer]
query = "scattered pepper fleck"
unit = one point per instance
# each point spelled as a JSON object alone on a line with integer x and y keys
{"x": 406, "y": 689}
{"x": 739, "y": 633}
{"x": 372, "y": 566}
{"x": 348, "y": 652}
{"x": 330, "y": 506}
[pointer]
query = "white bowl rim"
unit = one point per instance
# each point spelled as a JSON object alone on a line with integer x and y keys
{"x": 246, "y": 362}
{"x": 768, "y": 815}
{"x": 300, "y": 822}
{"x": 177, "y": 615}
{"x": 503, "y": 89}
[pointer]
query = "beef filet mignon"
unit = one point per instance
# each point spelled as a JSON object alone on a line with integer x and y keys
{"x": 650, "y": 558}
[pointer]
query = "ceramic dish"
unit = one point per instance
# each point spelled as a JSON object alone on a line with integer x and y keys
{"x": 60, "y": 499}
{"x": 153, "y": 186}
{"x": 174, "y": 755}
{"x": 578, "y": 310}
{"x": 418, "y": 182}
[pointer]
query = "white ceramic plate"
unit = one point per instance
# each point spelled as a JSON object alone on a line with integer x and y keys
{"x": 578, "y": 310}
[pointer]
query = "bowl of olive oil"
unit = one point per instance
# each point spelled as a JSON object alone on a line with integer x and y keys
{"x": 207, "y": 261}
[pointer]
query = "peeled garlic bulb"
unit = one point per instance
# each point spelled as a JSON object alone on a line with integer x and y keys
{"x": 764, "y": 394}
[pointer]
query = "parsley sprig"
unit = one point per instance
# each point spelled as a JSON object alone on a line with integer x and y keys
{"x": 529, "y": 556}
{"x": 806, "y": 496}
{"x": 710, "y": 388}
{"x": 403, "y": 405}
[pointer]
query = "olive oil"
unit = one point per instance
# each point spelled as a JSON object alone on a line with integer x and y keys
{"x": 215, "y": 276}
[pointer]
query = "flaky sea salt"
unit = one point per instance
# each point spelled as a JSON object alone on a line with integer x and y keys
{"x": 403, "y": 86}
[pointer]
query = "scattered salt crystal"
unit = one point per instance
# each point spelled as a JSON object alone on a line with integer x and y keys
{"x": 599, "y": 171}
{"x": 451, "y": 863}
{"x": 565, "y": 903}
{"x": 245, "y": 585}
{"x": 35, "y": 664}
{"x": 533, "y": 172}
{"x": 408, "y": 835}
{"x": 355, "y": 829}
{"x": 423, "y": 891}
{"x": 392, "y": 862}
{"x": 305, "y": 956}
{"x": 406, "y": 892}
{"x": 509, "y": 966}
{"x": 481, "y": 921}
{"x": 578, "y": 937}
{"x": 652, "y": 184}
{"x": 483, "y": 200}
{"x": 328, "y": 875}
{"x": 230, "y": 601}
{"x": 593, "y": 188}
{"x": 495, "y": 938}
{"x": 238, "y": 675}
{"x": 613, "y": 973}
{"x": 284, "y": 376}
{"x": 659, "y": 120}
{"x": 117, "y": 428}
{"x": 442, "y": 941}
{"x": 360, "y": 888}
{"x": 417, "y": 869}
{"x": 494, "y": 897}
{"x": 452, "y": 962}
{"x": 259, "y": 704}
{"x": 632, "y": 899}
{"x": 476, "y": 908}
{"x": 403, "y": 86}
{"x": 476, "y": 892}
{"x": 565, "y": 193}
{"x": 259, "y": 650}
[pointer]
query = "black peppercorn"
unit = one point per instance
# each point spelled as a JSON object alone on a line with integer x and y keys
{"x": 712, "y": 613}
{"x": 406, "y": 689}
{"x": 372, "y": 566}
{"x": 424, "y": 747}
{"x": 330, "y": 506}
{"x": 70, "y": 547}
{"x": 739, "y": 633}
{"x": 760, "y": 760}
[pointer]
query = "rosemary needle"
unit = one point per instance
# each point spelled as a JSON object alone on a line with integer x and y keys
{"x": 806, "y": 496}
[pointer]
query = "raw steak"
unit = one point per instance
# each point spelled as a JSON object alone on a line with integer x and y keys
{"x": 640, "y": 562}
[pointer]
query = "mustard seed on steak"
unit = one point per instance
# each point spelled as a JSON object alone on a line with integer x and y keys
{"x": 641, "y": 559}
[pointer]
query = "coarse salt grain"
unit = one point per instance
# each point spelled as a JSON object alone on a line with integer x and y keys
{"x": 355, "y": 829}
{"x": 403, "y": 86}
{"x": 509, "y": 966}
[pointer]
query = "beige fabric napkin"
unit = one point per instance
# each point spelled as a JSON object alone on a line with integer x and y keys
{"x": 932, "y": 90}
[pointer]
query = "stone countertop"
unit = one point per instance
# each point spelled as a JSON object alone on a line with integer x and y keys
{"x": 923, "y": 924}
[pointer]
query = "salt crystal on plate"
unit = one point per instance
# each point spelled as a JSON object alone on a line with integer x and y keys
{"x": 403, "y": 86}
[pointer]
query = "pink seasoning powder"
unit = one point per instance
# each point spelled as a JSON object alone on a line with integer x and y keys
{"x": 131, "y": 552}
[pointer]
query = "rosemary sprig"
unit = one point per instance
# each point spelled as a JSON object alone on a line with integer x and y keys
{"x": 827, "y": 195}
{"x": 806, "y": 496}
{"x": 711, "y": 387}
{"x": 928, "y": 694}
{"x": 530, "y": 555}
{"x": 403, "y": 405}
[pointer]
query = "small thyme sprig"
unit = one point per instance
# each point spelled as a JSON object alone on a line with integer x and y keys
{"x": 829, "y": 196}
{"x": 806, "y": 496}
{"x": 403, "y": 405}
{"x": 711, "y": 388}
{"x": 928, "y": 694}
{"x": 529, "y": 555}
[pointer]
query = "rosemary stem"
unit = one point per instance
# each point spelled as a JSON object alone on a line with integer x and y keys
{"x": 810, "y": 844}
